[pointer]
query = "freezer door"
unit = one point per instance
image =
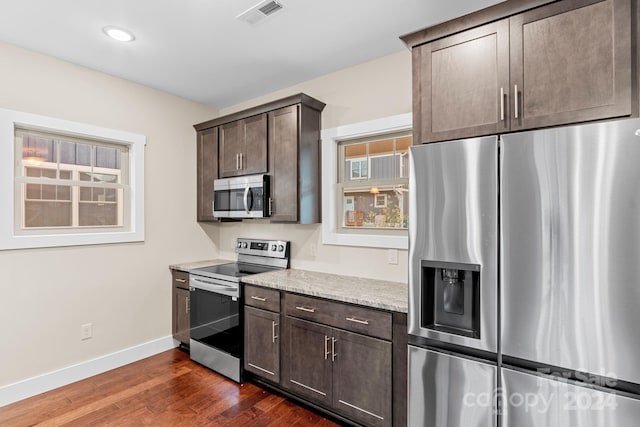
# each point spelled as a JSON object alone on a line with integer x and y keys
{"x": 535, "y": 401}
{"x": 450, "y": 391}
{"x": 570, "y": 258}
{"x": 453, "y": 208}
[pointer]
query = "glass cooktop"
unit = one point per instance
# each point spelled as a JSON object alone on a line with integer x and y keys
{"x": 232, "y": 271}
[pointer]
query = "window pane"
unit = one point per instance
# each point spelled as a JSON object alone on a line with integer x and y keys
{"x": 83, "y": 154}
{"x": 85, "y": 194}
{"x": 354, "y": 158}
{"x": 33, "y": 191}
{"x": 37, "y": 149}
{"x": 47, "y": 214}
{"x": 108, "y": 157}
{"x": 94, "y": 214}
{"x": 64, "y": 192}
{"x": 67, "y": 152}
{"x": 376, "y": 208}
{"x": 49, "y": 192}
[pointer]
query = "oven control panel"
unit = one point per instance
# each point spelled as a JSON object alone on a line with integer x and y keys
{"x": 268, "y": 248}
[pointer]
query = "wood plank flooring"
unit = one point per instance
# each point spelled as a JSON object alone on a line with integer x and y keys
{"x": 167, "y": 389}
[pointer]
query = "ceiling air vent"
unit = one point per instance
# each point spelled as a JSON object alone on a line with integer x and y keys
{"x": 260, "y": 11}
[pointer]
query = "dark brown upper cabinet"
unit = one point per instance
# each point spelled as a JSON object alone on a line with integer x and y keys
{"x": 294, "y": 164}
{"x": 281, "y": 139}
{"x": 571, "y": 62}
{"x": 243, "y": 147}
{"x": 207, "y": 171}
{"x": 461, "y": 84}
{"x": 559, "y": 63}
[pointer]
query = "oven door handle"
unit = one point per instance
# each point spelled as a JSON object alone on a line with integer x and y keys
{"x": 246, "y": 199}
{"x": 217, "y": 288}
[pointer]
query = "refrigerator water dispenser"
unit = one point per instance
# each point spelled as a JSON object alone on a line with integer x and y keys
{"x": 451, "y": 298}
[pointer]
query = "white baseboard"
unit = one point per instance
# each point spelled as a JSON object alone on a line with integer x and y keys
{"x": 32, "y": 386}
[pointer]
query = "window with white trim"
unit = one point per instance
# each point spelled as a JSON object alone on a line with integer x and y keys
{"x": 353, "y": 204}
{"x": 66, "y": 183}
{"x": 373, "y": 183}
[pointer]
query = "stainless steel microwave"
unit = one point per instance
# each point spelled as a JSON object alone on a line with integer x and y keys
{"x": 241, "y": 197}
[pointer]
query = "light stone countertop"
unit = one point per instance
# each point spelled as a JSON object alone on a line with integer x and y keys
{"x": 186, "y": 266}
{"x": 382, "y": 294}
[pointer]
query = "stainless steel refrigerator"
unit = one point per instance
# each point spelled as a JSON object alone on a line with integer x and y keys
{"x": 524, "y": 278}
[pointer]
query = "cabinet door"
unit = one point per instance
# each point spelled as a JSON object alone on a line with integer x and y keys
{"x": 181, "y": 315}
{"x": 254, "y": 151}
{"x": 461, "y": 84}
{"x": 262, "y": 343}
{"x": 307, "y": 360}
{"x": 571, "y": 62}
{"x": 207, "y": 172}
{"x": 231, "y": 145}
{"x": 362, "y": 378}
{"x": 283, "y": 152}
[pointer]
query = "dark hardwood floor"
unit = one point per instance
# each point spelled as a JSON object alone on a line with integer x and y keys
{"x": 167, "y": 389}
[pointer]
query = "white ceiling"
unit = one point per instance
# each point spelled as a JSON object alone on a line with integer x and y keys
{"x": 197, "y": 49}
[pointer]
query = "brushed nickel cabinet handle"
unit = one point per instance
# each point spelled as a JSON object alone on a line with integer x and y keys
{"x": 258, "y": 298}
{"x": 273, "y": 331}
{"x": 241, "y": 161}
{"x": 237, "y": 161}
{"x": 354, "y": 320}
{"x": 326, "y": 347}
{"x": 501, "y": 104}
{"x": 307, "y": 309}
{"x": 333, "y": 349}
{"x": 181, "y": 281}
{"x": 515, "y": 89}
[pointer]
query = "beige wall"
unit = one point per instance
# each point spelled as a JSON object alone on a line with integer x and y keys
{"x": 372, "y": 90}
{"x": 123, "y": 289}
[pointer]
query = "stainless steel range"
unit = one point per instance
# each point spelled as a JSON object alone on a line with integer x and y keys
{"x": 216, "y": 303}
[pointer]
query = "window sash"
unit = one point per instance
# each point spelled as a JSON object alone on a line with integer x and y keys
{"x": 76, "y": 223}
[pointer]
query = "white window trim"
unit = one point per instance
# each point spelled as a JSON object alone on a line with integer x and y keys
{"x": 360, "y": 161}
{"x": 8, "y": 239}
{"x": 330, "y": 139}
{"x": 383, "y": 204}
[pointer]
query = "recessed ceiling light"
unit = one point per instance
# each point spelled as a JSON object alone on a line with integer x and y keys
{"x": 118, "y": 33}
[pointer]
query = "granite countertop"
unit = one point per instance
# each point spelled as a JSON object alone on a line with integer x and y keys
{"x": 186, "y": 266}
{"x": 392, "y": 296}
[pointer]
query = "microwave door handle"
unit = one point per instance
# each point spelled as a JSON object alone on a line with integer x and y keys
{"x": 246, "y": 199}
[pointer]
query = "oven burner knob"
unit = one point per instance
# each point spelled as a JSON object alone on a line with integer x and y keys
{"x": 280, "y": 248}
{"x": 244, "y": 245}
{"x": 274, "y": 247}
{"x": 239, "y": 244}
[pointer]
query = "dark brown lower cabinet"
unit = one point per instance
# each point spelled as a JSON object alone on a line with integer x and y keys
{"x": 362, "y": 378}
{"x": 180, "y": 307}
{"x": 348, "y": 372}
{"x": 307, "y": 364}
{"x": 262, "y": 343}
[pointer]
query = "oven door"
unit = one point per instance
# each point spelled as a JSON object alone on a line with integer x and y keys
{"x": 216, "y": 329}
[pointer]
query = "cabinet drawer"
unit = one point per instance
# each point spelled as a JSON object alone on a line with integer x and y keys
{"x": 267, "y": 299}
{"x": 354, "y": 318}
{"x": 180, "y": 279}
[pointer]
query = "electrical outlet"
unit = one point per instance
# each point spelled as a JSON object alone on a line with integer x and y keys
{"x": 86, "y": 331}
{"x": 392, "y": 256}
{"x": 313, "y": 250}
